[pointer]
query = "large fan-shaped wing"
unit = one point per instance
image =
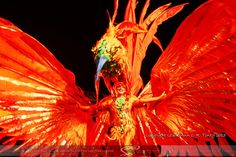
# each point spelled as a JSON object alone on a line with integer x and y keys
{"x": 39, "y": 101}
{"x": 197, "y": 71}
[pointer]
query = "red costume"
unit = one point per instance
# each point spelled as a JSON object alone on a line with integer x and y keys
{"x": 189, "y": 100}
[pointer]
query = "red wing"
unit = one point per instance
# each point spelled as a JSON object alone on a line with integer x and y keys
{"x": 198, "y": 71}
{"x": 39, "y": 101}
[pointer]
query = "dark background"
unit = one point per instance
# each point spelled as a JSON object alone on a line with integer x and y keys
{"x": 69, "y": 29}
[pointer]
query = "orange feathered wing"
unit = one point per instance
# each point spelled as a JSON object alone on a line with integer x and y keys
{"x": 197, "y": 71}
{"x": 39, "y": 101}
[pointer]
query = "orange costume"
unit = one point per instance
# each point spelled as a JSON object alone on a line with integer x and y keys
{"x": 187, "y": 107}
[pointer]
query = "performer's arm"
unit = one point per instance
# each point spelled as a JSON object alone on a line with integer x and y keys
{"x": 153, "y": 99}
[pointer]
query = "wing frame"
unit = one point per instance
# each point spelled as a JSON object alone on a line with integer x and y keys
{"x": 193, "y": 71}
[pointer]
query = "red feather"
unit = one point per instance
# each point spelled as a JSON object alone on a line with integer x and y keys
{"x": 138, "y": 42}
